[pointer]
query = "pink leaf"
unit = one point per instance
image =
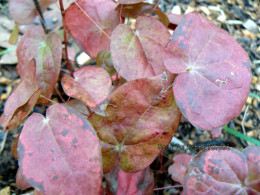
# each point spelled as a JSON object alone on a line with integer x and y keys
{"x": 139, "y": 54}
{"x": 21, "y": 182}
{"x": 214, "y": 72}
{"x": 120, "y": 182}
{"x": 253, "y": 160}
{"x": 24, "y": 12}
{"x": 129, "y": 1}
{"x": 96, "y": 19}
{"x": 224, "y": 172}
{"x": 140, "y": 116}
{"x": 46, "y": 50}
{"x": 60, "y": 154}
{"x": 179, "y": 167}
{"x": 20, "y": 104}
{"x": 91, "y": 85}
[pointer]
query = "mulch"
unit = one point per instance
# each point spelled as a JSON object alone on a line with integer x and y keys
{"x": 241, "y": 18}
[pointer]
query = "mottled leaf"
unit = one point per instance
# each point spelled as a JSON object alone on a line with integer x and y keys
{"x": 24, "y": 11}
{"x": 21, "y": 182}
{"x": 120, "y": 182}
{"x": 214, "y": 72}
{"x": 96, "y": 20}
{"x": 253, "y": 160}
{"x": 129, "y": 1}
{"x": 178, "y": 168}
{"x": 224, "y": 172}
{"x": 20, "y": 104}
{"x": 91, "y": 85}
{"x": 104, "y": 60}
{"x": 138, "y": 53}
{"x": 60, "y": 153}
{"x": 46, "y": 50}
{"x": 140, "y": 117}
{"x": 142, "y": 9}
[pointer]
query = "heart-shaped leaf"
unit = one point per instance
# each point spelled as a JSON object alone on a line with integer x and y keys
{"x": 60, "y": 154}
{"x": 214, "y": 72}
{"x": 139, "y": 118}
{"x": 20, "y": 104}
{"x": 224, "y": 172}
{"x": 178, "y": 168}
{"x": 46, "y": 50}
{"x": 120, "y": 182}
{"x": 96, "y": 19}
{"x": 139, "y": 54}
{"x": 24, "y": 12}
{"x": 91, "y": 85}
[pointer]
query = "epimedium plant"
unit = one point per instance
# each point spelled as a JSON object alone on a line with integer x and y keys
{"x": 145, "y": 79}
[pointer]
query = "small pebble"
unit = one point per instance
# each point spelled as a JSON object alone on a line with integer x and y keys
{"x": 257, "y": 87}
{"x": 254, "y": 80}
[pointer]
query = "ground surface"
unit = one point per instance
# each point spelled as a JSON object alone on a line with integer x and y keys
{"x": 241, "y": 18}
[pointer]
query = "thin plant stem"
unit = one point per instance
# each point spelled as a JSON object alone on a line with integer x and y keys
{"x": 41, "y": 96}
{"x": 243, "y": 120}
{"x": 168, "y": 187}
{"x": 156, "y": 6}
{"x": 40, "y": 108}
{"x": 65, "y": 39}
{"x": 92, "y": 20}
{"x": 39, "y": 11}
{"x": 60, "y": 95}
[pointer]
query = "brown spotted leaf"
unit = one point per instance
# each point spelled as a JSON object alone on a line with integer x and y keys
{"x": 96, "y": 19}
{"x": 91, "y": 85}
{"x": 139, "y": 183}
{"x": 20, "y": 104}
{"x": 214, "y": 72}
{"x": 139, "y": 118}
{"x": 138, "y": 53}
{"x": 46, "y": 50}
{"x": 60, "y": 153}
{"x": 24, "y": 11}
{"x": 142, "y": 9}
{"x": 224, "y": 172}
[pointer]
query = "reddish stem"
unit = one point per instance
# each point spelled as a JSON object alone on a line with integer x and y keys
{"x": 120, "y": 13}
{"x": 40, "y": 108}
{"x": 156, "y": 6}
{"x": 41, "y": 96}
{"x": 65, "y": 39}
{"x": 59, "y": 95}
{"x": 176, "y": 186}
{"x": 117, "y": 81}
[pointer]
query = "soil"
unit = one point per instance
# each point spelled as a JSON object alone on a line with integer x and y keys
{"x": 241, "y": 18}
